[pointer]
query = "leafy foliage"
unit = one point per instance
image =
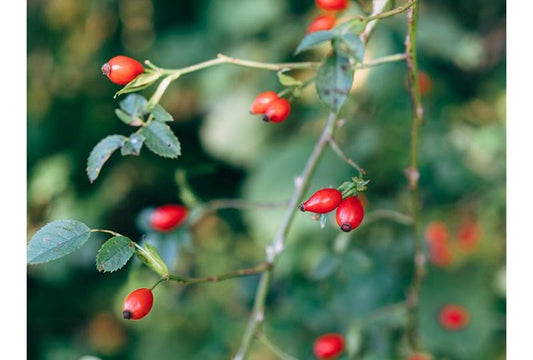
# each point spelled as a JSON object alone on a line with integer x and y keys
{"x": 161, "y": 140}
{"x": 334, "y": 80}
{"x": 57, "y": 239}
{"x": 114, "y": 254}
{"x": 101, "y": 153}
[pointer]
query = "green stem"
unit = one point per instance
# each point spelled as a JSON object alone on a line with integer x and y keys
{"x": 273, "y": 348}
{"x": 335, "y": 147}
{"x": 396, "y": 11}
{"x": 212, "y": 279}
{"x": 278, "y": 243}
{"x": 106, "y": 231}
{"x": 412, "y": 174}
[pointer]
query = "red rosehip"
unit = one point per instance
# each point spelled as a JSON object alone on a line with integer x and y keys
{"x": 323, "y": 201}
{"x": 468, "y": 235}
{"x": 321, "y": 23}
{"x": 436, "y": 233}
{"x": 168, "y": 217}
{"x": 453, "y": 317}
{"x": 350, "y": 213}
{"x": 425, "y": 84}
{"x": 263, "y": 101}
{"x": 440, "y": 254}
{"x": 332, "y": 5}
{"x": 137, "y": 304}
{"x": 278, "y": 110}
{"x": 122, "y": 69}
{"x": 328, "y": 346}
{"x": 420, "y": 357}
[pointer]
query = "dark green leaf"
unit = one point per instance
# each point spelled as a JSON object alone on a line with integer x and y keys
{"x": 134, "y": 105}
{"x": 140, "y": 82}
{"x": 100, "y": 153}
{"x": 352, "y": 46}
{"x": 314, "y": 39}
{"x": 114, "y": 254}
{"x": 334, "y": 80}
{"x": 57, "y": 239}
{"x": 132, "y": 145}
{"x": 151, "y": 258}
{"x": 128, "y": 119}
{"x": 161, "y": 140}
{"x": 160, "y": 114}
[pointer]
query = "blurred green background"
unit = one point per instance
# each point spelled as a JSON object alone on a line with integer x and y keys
{"x": 324, "y": 281}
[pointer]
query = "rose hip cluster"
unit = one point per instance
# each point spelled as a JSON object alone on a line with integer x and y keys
{"x": 350, "y": 210}
{"x": 274, "y": 108}
{"x": 326, "y": 21}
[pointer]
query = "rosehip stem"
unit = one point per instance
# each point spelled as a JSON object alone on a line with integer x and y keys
{"x": 273, "y": 348}
{"x": 335, "y": 147}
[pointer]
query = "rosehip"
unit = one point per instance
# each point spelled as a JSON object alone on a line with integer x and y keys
{"x": 453, "y": 317}
{"x": 350, "y": 213}
{"x": 137, "y": 304}
{"x": 436, "y": 232}
{"x": 468, "y": 235}
{"x": 328, "y": 346}
{"x": 168, "y": 217}
{"x": 263, "y": 101}
{"x": 436, "y": 235}
{"x": 323, "y": 201}
{"x": 321, "y": 23}
{"x": 440, "y": 254}
{"x": 278, "y": 110}
{"x": 420, "y": 357}
{"x": 424, "y": 83}
{"x": 122, "y": 69}
{"x": 332, "y": 5}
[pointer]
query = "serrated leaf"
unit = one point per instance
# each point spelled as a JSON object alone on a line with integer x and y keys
{"x": 151, "y": 258}
{"x": 160, "y": 114}
{"x": 57, "y": 239}
{"x": 132, "y": 145}
{"x": 128, "y": 119}
{"x": 114, "y": 254}
{"x": 334, "y": 80}
{"x": 134, "y": 105}
{"x": 287, "y": 80}
{"x": 101, "y": 153}
{"x": 352, "y": 46}
{"x": 314, "y": 39}
{"x": 140, "y": 82}
{"x": 161, "y": 140}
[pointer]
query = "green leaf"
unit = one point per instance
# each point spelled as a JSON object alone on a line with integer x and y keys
{"x": 314, "y": 39}
{"x": 134, "y": 105}
{"x": 351, "y": 45}
{"x": 151, "y": 258}
{"x": 160, "y": 114}
{"x": 161, "y": 140}
{"x": 140, "y": 82}
{"x": 100, "y": 153}
{"x": 287, "y": 80}
{"x": 132, "y": 145}
{"x": 128, "y": 119}
{"x": 57, "y": 239}
{"x": 114, "y": 254}
{"x": 334, "y": 80}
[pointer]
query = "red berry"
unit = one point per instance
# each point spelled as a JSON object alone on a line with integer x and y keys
{"x": 263, "y": 101}
{"x": 420, "y": 357}
{"x": 320, "y": 23}
{"x": 323, "y": 201}
{"x": 168, "y": 217}
{"x": 350, "y": 213}
{"x": 328, "y": 346}
{"x": 436, "y": 233}
{"x": 122, "y": 69}
{"x": 424, "y": 83}
{"x": 453, "y": 317}
{"x": 332, "y": 5}
{"x": 278, "y": 110}
{"x": 137, "y": 304}
{"x": 468, "y": 235}
{"x": 440, "y": 254}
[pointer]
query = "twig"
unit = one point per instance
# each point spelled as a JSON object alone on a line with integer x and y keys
{"x": 273, "y": 348}
{"x": 396, "y": 11}
{"x": 343, "y": 156}
{"x": 413, "y": 175}
{"x": 278, "y": 243}
{"x": 385, "y": 214}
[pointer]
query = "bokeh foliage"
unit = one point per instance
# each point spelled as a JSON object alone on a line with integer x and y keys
{"x": 325, "y": 281}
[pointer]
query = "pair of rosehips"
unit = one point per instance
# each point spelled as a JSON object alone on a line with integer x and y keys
{"x": 326, "y": 22}
{"x": 166, "y": 218}
{"x": 328, "y": 346}
{"x": 350, "y": 211}
{"x": 274, "y": 108}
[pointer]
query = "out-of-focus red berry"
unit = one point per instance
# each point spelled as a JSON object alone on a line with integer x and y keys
{"x": 454, "y": 317}
{"x": 468, "y": 235}
{"x": 328, "y": 346}
{"x": 332, "y": 5}
{"x": 168, "y": 217}
{"x": 321, "y": 23}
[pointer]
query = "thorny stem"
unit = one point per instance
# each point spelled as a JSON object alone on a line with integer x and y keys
{"x": 273, "y": 348}
{"x": 278, "y": 243}
{"x": 412, "y": 174}
{"x": 212, "y": 279}
{"x": 396, "y": 11}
